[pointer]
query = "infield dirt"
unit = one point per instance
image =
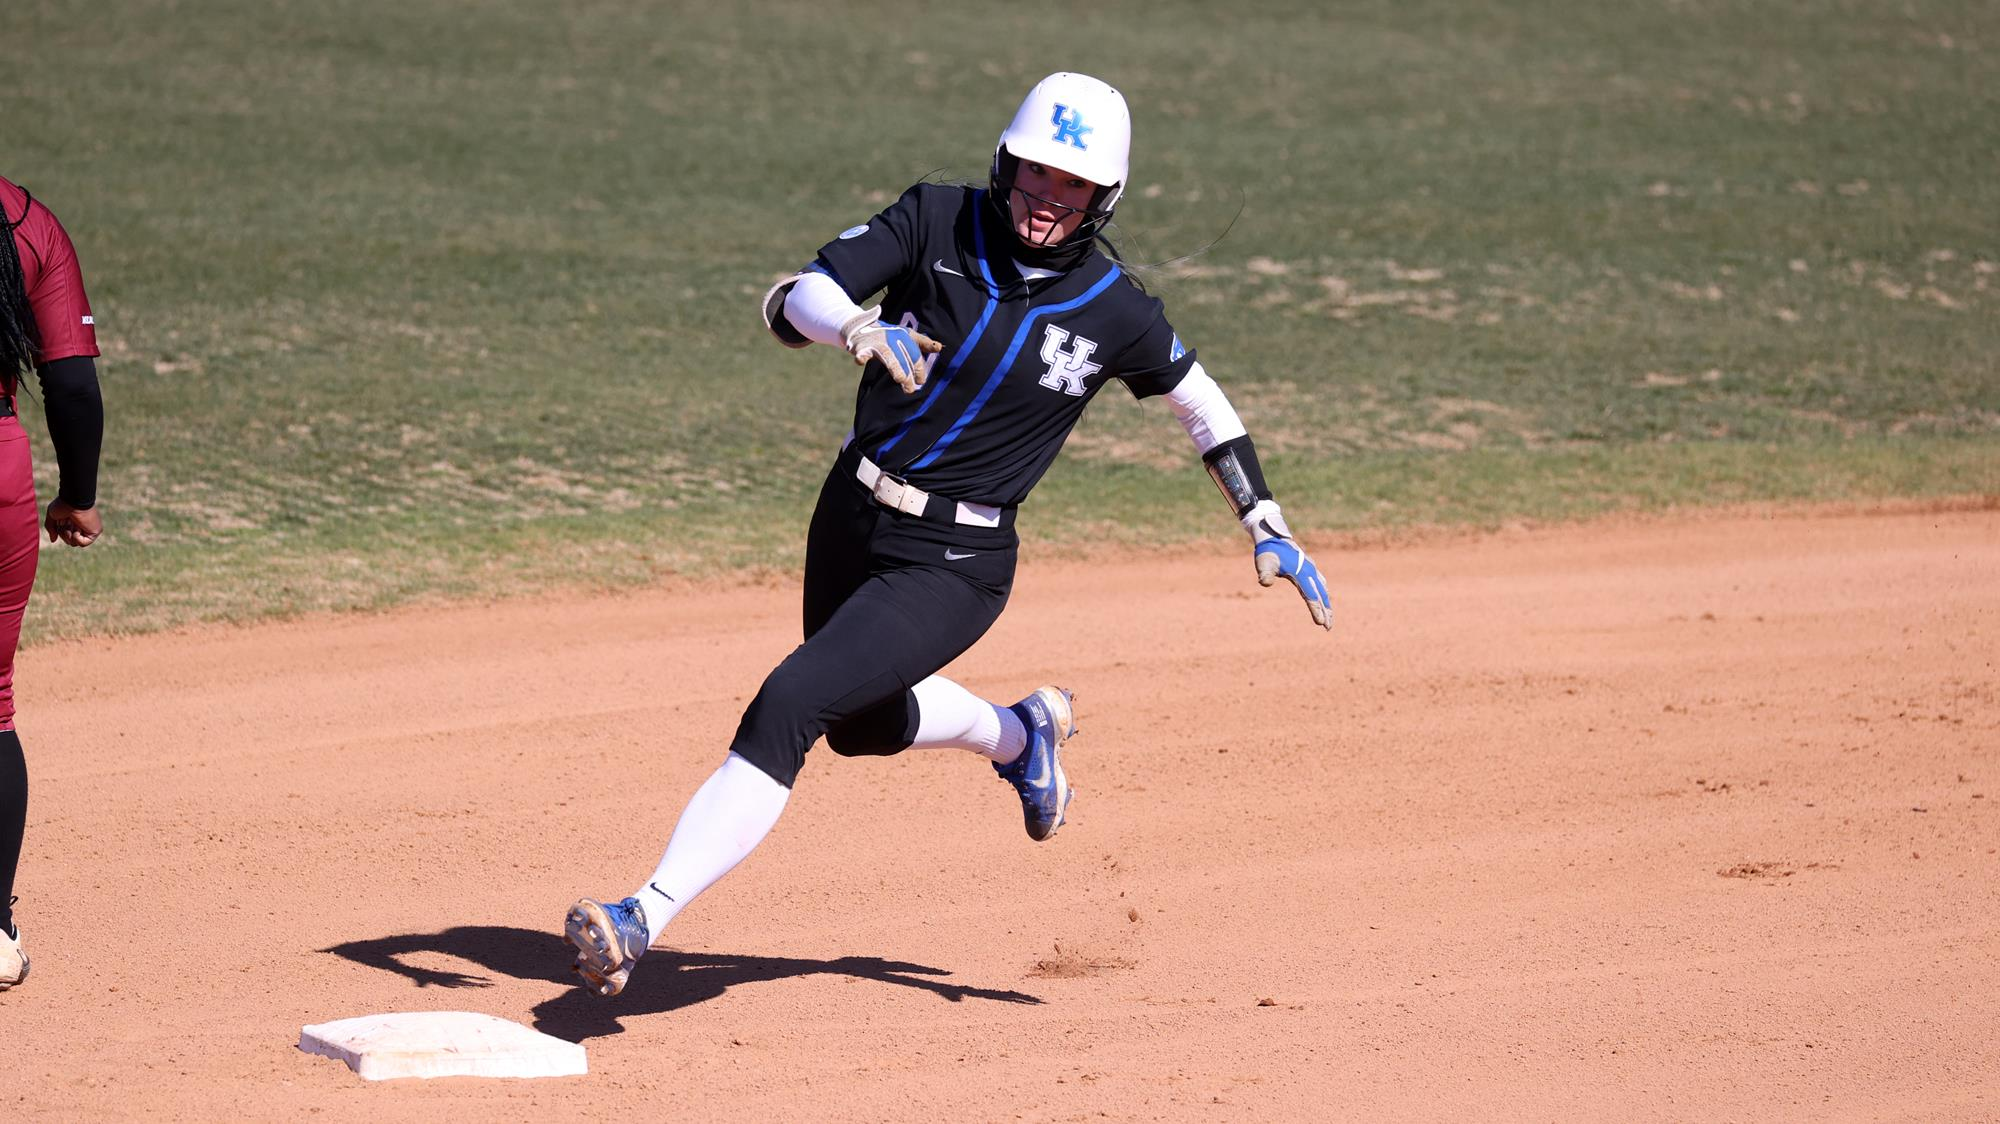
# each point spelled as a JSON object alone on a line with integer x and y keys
{"x": 1668, "y": 820}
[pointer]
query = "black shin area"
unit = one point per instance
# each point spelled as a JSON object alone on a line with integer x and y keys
{"x": 13, "y": 818}
{"x": 882, "y": 731}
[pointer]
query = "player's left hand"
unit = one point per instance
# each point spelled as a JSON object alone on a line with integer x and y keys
{"x": 1282, "y": 558}
{"x": 1279, "y": 555}
{"x": 77, "y": 528}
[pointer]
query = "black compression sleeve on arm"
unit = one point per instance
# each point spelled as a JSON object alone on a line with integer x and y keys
{"x": 1234, "y": 466}
{"x": 75, "y": 409}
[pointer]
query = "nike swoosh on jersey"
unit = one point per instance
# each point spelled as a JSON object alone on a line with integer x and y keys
{"x": 941, "y": 267}
{"x": 951, "y": 555}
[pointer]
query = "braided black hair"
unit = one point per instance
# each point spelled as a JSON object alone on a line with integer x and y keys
{"x": 20, "y": 342}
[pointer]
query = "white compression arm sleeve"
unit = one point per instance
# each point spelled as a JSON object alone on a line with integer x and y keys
{"x": 1204, "y": 411}
{"x": 817, "y": 306}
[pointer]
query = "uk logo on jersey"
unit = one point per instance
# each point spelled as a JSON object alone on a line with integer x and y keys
{"x": 1067, "y": 369}
{"x": 1070, "y": 127}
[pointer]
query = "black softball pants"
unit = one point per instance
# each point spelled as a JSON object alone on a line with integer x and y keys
{"x": 889, "y": 600}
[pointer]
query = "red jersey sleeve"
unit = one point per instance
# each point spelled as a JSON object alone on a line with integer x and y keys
{"x": 53, "y": 279}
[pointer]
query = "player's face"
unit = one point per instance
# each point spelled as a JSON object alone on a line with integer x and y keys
{"x": 1047, "y": 203}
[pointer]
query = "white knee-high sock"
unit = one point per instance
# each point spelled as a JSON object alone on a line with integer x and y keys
{"x": 728, "y": 816}
{"x": 951, "y": 717}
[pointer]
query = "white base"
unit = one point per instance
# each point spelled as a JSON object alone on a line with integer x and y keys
{"x": 442, "y": 1044}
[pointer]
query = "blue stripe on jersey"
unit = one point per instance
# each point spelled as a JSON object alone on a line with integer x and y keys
{"x": 965, "y": 349}
{"x": 1006, "y": 361}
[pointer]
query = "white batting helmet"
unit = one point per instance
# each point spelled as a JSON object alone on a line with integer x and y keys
{"x": 1076, "y": 123}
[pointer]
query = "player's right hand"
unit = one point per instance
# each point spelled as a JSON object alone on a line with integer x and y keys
{"x": 77, "y": 528}
{"x": 907, "y": 353}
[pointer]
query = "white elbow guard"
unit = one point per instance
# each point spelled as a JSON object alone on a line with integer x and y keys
{"x": 774, "y": 314}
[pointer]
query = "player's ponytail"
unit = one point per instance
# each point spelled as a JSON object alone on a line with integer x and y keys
{"x": 1130, "y": 270}
{"x": 1136, "y": 271}
{"x": 19, "y": 342}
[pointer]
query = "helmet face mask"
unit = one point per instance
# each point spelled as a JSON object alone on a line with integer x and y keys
{"x": 1075, "y": 123}
{"x": 1006, "y": 184}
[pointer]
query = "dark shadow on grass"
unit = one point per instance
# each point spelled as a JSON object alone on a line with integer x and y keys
{"x": 666, "y": 980}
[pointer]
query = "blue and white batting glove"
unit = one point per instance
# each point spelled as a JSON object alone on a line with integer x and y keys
{"x": 906, "y": 352}
{"x": 1279, "y": 555}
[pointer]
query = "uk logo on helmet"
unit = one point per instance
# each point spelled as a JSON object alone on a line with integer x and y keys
{"x": 1070, "y": 127}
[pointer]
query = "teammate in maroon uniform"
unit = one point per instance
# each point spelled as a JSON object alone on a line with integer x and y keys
{"x": 45, "y": 325}
{"x": 1002, "y": 315}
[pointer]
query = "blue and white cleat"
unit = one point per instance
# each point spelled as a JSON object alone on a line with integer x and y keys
{"x": 609, "y": 939}
{"x": 1050, "y": 718}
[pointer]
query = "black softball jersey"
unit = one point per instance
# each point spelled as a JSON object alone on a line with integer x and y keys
{"x": 1021, "y": 359}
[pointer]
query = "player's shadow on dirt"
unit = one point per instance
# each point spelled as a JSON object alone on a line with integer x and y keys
{"x": 667, "y": 980}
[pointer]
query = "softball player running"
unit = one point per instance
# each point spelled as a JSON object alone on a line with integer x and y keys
{"x": 1003, "y": 313}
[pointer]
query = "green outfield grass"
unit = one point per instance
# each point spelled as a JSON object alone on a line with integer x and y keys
{"x": 419, "y": 299}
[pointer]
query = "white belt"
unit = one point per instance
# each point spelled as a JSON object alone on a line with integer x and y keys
{"x": 893, "y": 492}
